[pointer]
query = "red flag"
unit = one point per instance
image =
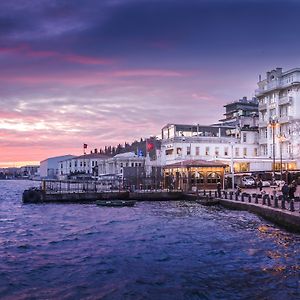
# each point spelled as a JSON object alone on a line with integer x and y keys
{"x": 84, "y": 146}
{"x": 150, "y": 146}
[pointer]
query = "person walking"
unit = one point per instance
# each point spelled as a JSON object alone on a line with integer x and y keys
{"x": 219, "y": 189}
{"x": 260, "y": 185}
{"x": 292, "y": 190}
{"x": 285, "y": 192}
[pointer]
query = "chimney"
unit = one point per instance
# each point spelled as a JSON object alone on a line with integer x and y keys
{"x": 96, "y": 150}
{"x": 259, "y": 78}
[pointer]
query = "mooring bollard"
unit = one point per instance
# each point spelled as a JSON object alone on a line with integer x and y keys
{"x": 283, "y": 203}
{"x": 292, "y": 206}
{"x": 209, "y": 194}
{"x": 226, "y": 195}
{"x": 264, "y": 199}
{"x": 230, "y": 195}
{"x": 216, "y": 194}
{"x": 249, "y": 198}
{"x": 256, "y": 198}
{"x": 236, "y": 197}
{"x": 204, "y": 192}
{"x": 269, "y": 200}
{"x": 242, "y": 197}
{"x": 276, "y": 202}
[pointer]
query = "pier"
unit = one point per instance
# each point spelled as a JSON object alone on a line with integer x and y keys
{"x": 272, "y": 207}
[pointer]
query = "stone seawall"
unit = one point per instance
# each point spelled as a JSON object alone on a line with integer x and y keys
{"x": 288, "y": 219}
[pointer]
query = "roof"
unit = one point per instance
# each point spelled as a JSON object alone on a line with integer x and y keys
{"x": 126, "y": 154}
{"x": 93, "y": 155}
{"x": 197, "y": 163}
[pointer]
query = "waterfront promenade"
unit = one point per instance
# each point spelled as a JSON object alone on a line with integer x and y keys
{"x": 265, "y": 204}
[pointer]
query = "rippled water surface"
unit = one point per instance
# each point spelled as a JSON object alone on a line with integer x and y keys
{"x": 155, "y": 250}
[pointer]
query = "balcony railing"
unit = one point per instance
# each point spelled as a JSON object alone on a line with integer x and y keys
{"x": 285, "y": 119}
{"x": 285, "y": 100}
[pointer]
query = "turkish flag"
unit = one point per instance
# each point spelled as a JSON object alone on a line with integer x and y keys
{"x": 150, "y": 146}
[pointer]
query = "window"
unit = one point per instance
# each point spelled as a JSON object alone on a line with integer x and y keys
{"x": 93, "y": 163}
{"x": 226, "y": 151}
{"x": 188, "y": 150}
{"x": 84, "y": 164}
{"x": 81, "y": 164}
{"x": 244, "y": 137}
{"x": 237, "y": 152}
{"x": 121, "y": 164}
{"x": 255, "y": 152}
{"x": 217, "y": 151}
{"x": 61, "y": 166}
{"x": 178, "y": 151}
{"x": 213, "y": 177}
{"x": 169, "y": 151}
{"x": 197, "y": 178}
{"x": 197, "y": 151}
{"x": 132, "y": 164}
{"x": 70, "y": 164}
{"x": 75, "y": 163}
{"x": 206, "y": 150}
{"x": 140, "y": 164}
{"x": 245, "y": 152}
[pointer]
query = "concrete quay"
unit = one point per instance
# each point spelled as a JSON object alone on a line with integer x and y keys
{"x": 274, "y": 209}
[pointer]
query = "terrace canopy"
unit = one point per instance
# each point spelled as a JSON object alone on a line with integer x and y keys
{"x": 194, "y": 175}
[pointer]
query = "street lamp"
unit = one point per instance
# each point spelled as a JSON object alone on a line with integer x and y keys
{"x": 281, "y": 139}
{"x": 232, "y": 165}
{"x": 273, "y": 123}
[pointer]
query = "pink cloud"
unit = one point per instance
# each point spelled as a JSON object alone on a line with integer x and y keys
{"x": 148, "y": 72}
{"x": 26, "y": 50}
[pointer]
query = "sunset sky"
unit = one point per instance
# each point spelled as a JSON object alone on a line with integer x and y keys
{"x": 108, "y": 71}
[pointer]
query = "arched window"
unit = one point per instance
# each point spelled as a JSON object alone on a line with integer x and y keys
{"x": 197, "y": 178}
{"x": 213, "y": 177}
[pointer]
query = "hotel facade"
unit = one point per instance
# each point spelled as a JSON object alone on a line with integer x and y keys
{"x": 279, "y": 118}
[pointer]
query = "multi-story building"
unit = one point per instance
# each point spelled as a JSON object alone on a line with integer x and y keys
{"x": 279, "y": 118}
{"x": 195, "y": 142}
{"x": 242, "y": 113}
{"x": 50, "y": 169}
{"x": 86, "y": 164}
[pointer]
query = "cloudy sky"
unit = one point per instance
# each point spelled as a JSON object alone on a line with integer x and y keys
{"x": 107, "y": 71}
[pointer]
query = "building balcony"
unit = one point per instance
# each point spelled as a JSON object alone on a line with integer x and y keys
{"x": 262, "y": 106}
{"x": 285, "y": 119}
{"x": 263, "y": 123}
{"x": 285, "y": 100}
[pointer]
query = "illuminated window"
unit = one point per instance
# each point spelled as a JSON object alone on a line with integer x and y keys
{"x": 213, "y": 177}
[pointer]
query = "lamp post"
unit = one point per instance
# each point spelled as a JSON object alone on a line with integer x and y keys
{"x": 273, "y": 123}
{"x": 232, "y": 165}
{"x": 281, "y": 139}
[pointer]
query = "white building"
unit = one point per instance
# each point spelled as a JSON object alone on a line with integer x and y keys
{"x": 211, "y": 143}
{"x": 116, "y": 164}
{"x": 49, "y": 168}
{"x": 279, "y": 110}
{"x": 86, "y": 164}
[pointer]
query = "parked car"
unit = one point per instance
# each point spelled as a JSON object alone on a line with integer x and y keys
{"x": 248, "y": 181}
{"x": 266, "y": 183}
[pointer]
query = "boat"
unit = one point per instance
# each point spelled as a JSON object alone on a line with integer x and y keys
{"x": 115, "y": 203}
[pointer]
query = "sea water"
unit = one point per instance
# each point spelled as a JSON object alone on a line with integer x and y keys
{"x": 155, "y": 250}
